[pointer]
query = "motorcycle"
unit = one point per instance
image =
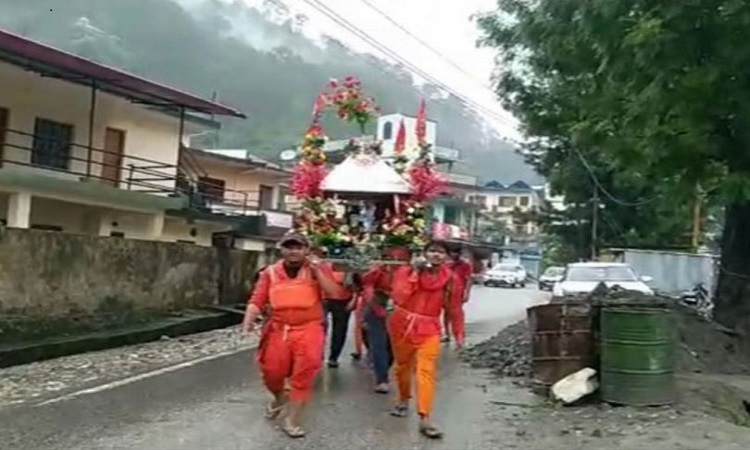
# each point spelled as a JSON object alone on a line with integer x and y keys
{"x": 698, "y": 299}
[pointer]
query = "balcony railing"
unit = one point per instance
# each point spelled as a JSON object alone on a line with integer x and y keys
{"x": 446, "y": 154}
{"x": 28, "y": 152}
{"x": 234, "y": 203}
{"x": 461, "y": 179}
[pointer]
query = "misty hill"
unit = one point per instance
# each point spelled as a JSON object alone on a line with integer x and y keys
{"x": 255, "y": 59}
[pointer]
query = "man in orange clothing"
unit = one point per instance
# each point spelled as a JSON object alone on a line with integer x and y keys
{"x": 421, "y": 292}
{"x": 463, "y": 270}
{"x": 293, "y": 338}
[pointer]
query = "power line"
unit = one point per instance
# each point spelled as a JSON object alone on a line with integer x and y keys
{"x": 333, "y": 15}
{"x": 426, "y": 45}
{"x": 601, "y": 188}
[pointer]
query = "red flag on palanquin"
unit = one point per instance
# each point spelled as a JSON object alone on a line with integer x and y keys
{"x": 422, "y": 122}
{"x": 318, "y": 107}
{"x": 400, "y": 144}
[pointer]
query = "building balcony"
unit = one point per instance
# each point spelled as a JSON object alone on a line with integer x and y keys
{"x": 251, "y": 213}
{"x": 57, "y": 167}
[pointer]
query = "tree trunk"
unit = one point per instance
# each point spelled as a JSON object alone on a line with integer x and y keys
{"x": 732, "y": 299}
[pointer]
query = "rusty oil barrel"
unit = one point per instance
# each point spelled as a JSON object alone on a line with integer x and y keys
{"x": 562, "y": 342}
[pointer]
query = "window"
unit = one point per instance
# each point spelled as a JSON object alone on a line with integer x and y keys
{"x": 601, "y": 273}
{"x": 283, "y": 192}
{"x": 387, "y": 131}
{"x": 477, "y": 199}
{"x": 524, "y": 201}
{"x": 507, "y": 202}
{"x": 52, "y": 142}
{"x": 266, "y": 197}
{"x": 211, "y": 188}
{"x": 450, "y": 215}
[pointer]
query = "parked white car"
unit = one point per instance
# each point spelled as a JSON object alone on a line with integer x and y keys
{"x": 550, "y": 276}
{"x": 505, "y": 274}
{"x": 582, "y": 278}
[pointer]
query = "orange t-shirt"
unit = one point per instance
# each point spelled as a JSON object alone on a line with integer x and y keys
{"x": 420, "y": 298}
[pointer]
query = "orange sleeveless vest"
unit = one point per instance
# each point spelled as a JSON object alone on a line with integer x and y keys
{"x": 297, "y": 293}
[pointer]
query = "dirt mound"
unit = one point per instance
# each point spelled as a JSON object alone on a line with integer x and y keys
{"x": 702, "y": 346}
{"x": 508, "y": 353}
{"x": 707, "y": 347}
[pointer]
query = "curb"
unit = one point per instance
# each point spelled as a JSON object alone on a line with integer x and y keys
{"x": 24, "y": 353}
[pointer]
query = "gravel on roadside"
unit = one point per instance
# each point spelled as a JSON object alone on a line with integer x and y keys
{"x": 44, "y": 379}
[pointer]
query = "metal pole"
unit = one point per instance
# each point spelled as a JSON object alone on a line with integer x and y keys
{"x": 697, "y": 206}
{"x": 92, "y": 116}
{"x": 182, "y": 128}
{"x": 179, "y": 145}
{"x": 594, "y": 222}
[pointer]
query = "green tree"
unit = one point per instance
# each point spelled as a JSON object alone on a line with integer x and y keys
{"x": 654, "y": 91}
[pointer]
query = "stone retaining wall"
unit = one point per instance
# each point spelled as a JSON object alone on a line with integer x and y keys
{"x": 55, "y": 283}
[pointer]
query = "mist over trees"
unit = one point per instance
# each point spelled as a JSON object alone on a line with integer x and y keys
{"x": 255, "y": 59}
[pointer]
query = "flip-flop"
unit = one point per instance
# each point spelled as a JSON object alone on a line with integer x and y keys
{"x": 430, "y": 431}
{"x": 400, "y": 411}
{"x": 294, "y": 432}
{"x": 272, "y": 412}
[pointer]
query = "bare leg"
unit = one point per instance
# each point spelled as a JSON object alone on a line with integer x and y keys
{"x": 428, "y": 428}
{"x": 292, "y": 422}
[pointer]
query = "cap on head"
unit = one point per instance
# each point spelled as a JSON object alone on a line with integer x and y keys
{"x": 294, "y": 238}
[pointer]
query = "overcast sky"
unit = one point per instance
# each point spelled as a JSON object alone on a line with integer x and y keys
{"x": 443, "y": 24}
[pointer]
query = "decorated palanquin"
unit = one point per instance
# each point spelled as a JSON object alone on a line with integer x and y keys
{"x": 358, "y": 211}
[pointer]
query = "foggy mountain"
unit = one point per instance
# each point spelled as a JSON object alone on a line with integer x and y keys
{"x": 257, "y": 59}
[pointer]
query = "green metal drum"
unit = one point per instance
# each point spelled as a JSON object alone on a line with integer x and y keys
{"x": 637, "y": 356}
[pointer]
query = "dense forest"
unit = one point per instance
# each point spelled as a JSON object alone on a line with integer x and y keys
{"x": 256, "y": 59}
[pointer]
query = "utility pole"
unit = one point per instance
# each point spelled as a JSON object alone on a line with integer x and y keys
{"x": 594, "y": 221}
{"x": 697, "y": 207}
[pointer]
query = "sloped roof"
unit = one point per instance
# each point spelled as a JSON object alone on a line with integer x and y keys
{"x": 53, "y": 62}
{"x": 367, "y": 174}
{"x": 519, "y": 186}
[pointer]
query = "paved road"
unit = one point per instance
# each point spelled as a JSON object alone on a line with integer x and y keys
{"x": 219, "y": 405}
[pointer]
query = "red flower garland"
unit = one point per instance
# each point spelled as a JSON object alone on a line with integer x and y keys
{"x": 307, "y": 179}
{"x": 426, "y": 182}
{"x": 350, "y": 102}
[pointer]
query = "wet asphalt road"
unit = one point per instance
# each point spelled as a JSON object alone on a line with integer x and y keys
{"x": 219, "y": 405}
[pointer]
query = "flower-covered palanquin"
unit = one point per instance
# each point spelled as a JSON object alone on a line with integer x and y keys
{"x": 367, "y": 203}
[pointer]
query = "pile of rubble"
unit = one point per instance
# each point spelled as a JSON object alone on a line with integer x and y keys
{"x": 702, "y": 346}
{"x": 508, "y": 353}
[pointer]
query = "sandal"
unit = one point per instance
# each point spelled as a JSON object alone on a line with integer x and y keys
{"x": 400, "y": 411}
{"x": 430, "y": 431}
{"x": 272, "y": 412}
{"x": 293, "y": 431}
